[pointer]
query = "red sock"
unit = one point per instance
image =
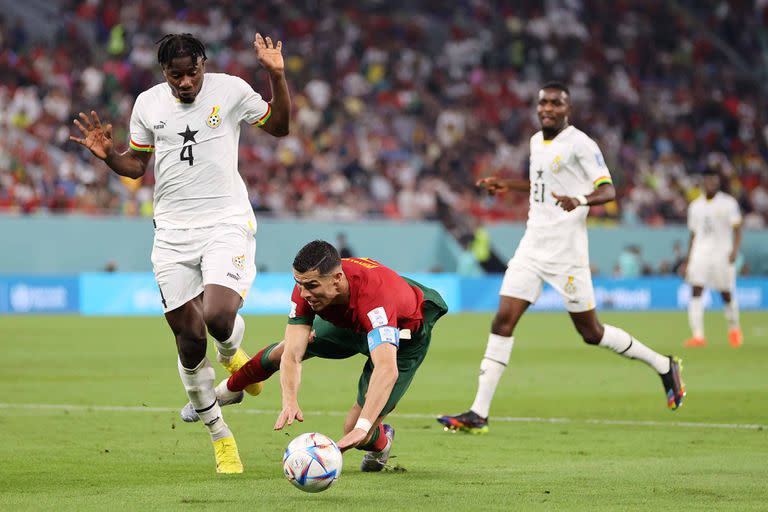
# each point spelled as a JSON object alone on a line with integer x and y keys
{"x": 380, "y": 443}
{"x": 252, "y": 371}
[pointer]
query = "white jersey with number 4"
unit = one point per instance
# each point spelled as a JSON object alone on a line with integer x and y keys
{"x": 571, "y": 164}
{"x": 712, "y": 222}
{"x": 196, "y": 149}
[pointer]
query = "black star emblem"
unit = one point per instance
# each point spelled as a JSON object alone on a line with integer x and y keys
{"x": 538, "y": 173}
{"x": 189, "y": 135}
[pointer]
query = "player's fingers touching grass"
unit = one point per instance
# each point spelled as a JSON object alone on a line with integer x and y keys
{"x": 286, "y": 417}
{"x": 352, "y": 439}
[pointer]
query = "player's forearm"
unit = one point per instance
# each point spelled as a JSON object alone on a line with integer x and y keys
{"x": 290, "y": 378}
{"x": 603, "y": 194}
{"x": 690, "y": 245}
{"x": 125, "y": 164}
{"x": 736, "y": 239}
{"x": 379, "y": 389}
{"x": 281, "y": 105}
{"x": 517, "y": 184}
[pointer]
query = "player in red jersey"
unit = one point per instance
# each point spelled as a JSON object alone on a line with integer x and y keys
{"x": 340, "y": 308}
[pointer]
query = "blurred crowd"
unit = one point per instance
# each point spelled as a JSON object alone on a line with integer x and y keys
{"x": 399, "y": 107}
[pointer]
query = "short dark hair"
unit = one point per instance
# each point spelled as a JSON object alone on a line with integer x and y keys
{"x": 317, "y": 254}
{"x": 556, "y": 85}
{"x": 173, "y": 46}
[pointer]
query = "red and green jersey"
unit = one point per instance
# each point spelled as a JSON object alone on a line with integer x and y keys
{"x": 378, "y": 296}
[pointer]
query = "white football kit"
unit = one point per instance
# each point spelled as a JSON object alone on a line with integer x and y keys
{"x": 712, "y": 221}
{"x": 554, "y": 248}
{"x": 204, "y": 223}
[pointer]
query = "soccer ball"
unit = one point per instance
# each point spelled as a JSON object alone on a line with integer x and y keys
{"x": 312, "y": 462}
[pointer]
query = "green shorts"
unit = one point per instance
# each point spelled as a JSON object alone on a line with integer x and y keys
{"x": 333, "y": 342}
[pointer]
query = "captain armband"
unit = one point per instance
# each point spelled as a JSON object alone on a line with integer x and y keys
{"x": 383, "y": 334}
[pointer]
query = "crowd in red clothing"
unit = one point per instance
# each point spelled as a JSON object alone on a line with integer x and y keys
{"x": 398, "y": 107}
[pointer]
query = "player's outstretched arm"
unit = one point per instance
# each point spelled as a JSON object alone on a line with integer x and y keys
{"x": 271, "y": 57}
{"x": 296, "y": 340}
{"x": 495, "y": 185}
{"x": 383, "y": 379}
{"x": 736, "y": 243}
{"x": 98, "y": 139}
{"x": 603, "y": 194}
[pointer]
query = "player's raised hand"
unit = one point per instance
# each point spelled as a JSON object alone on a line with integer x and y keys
{"x": 567, "y": 203}
{"x": 270, "y": 56}
{"x": 287, "y": 415}
{"x": 95, "y": 137}
{"x": 493, "y": 185}
{"x": 352, "y": 439}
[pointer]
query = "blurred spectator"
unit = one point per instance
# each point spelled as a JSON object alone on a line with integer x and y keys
{"x": 467, "y": 265}
{"x": 678, "y": 258}
{"x": 630, "y": 264}
{"x": 343, "y": 246}
{"x": 401, "y": 106}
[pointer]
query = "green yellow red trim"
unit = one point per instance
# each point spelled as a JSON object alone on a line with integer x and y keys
{"x": 264, "y": 118}
{"x": 602, "y": 180}
{"x": 141, "y": 147}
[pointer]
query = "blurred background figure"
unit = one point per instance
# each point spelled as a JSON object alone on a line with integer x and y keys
{"x": 343, "y": 247}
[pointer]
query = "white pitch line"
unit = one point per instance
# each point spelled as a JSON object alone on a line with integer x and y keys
{"x": 506, "y": 419}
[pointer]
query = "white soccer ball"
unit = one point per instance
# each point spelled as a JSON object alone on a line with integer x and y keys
{"x": 312, "y": 462}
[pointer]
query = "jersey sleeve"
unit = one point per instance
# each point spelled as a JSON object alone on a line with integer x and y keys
{"x": 301, "y": 313}
{"x": 142, "y": 137}
{"x": 378, "y": 315}
{"x": 734, "y": 214}
{"x": 251, "y": 106}
{"x": 591, "y": 160}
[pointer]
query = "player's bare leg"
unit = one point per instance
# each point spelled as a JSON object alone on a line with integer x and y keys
{"x": 624, "y": 344}
{"x": 377, "y": 444}
{"x": 198, "y": 377}
{"x": 495, "y": 360}
{"x": 731, "y": 308}
{"x": 696, "y": 318}
{"x": 227, "y": 327}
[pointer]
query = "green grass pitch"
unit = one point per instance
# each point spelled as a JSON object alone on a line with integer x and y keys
{"x": 88, "y": 415}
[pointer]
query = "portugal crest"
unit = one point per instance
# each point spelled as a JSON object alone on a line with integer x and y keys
{"x": 214, "y": 120}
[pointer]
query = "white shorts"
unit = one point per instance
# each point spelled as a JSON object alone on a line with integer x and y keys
{"x": 185, "y": 260}
{"x": 524, "y": 279}
{"x": 714, "y": 273}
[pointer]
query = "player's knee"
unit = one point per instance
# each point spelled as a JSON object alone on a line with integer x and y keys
{"x": 591, "y": 334}
{"x": 220, "y": 324}
{"x": 503, "y": 324}
{"x": 191, "y": 350}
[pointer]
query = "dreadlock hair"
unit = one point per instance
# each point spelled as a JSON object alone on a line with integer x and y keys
{"x": 319, "y": 255}
{"x": 173, "y": 46}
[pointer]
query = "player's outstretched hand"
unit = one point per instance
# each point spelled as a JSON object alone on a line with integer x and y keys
{"x": 493, "y": 185}
{"x": 287, "y": 415}
{"x": 354, "y": 438}
{"x": 565, "y": 202}
{"x": 96, "y": 137}
{"x": 270, "y": 56}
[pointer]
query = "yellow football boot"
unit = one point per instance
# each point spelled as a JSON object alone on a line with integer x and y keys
{"x": 236, "y": 362}
{"x": 227, "y": 456}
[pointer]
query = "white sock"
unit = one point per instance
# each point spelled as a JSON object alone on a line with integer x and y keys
{"x": 198, "y": 382}
{"x": 228, "y": 347}
{"x": 732, "y": 313}
{"x": 696, "y": 317}
{"x": 624, "y": 344}
{"x": 492, "y": 367}
{"x": 223, "y": 392}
